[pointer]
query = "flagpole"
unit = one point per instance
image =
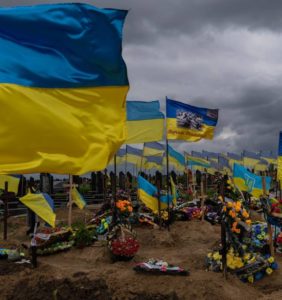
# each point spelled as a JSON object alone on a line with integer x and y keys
{"x": 115, "y": 190}
{"x": 167, "y": 182}
{"x": 70, "y": 201}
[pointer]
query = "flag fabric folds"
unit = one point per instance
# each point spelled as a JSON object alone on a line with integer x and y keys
{"x": 211, "y": 156}
{"x": 250, "y": 159}
{"x": 279, "y": 167}
{"x": 196, "y": 161}
{"x": 270, "y": 157}
{"x": 77, "y": 198}
{"x": 154, "y": 162}
{"x": 133, "y": 155}
{"x": 249, "y": 182}
{"x": 261, "y": 166}
{"x": 13, "y": 183}
{"x": 234, "y": 158}
{"x": 190, "y": 123}
{"x": 153, "y": 149}
{"x": 42, "y": 205}
{"x": 148, "y": 194}
{"x": 145, "y": 122}
{"x": 62, "y": 93}
{"x": 120, "y": 157}
{"x": 176, "y": 159}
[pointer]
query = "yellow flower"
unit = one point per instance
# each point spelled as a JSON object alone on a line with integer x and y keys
{"x": 271, "y": 259}
{"x": 248, "y": 222}
{"x": 268, "y": 271}
{"x": 229, "y": 204}
{"x": 251, "y": 279}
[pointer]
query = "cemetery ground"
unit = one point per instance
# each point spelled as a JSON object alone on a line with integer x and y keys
{"x": 89, "y": 273}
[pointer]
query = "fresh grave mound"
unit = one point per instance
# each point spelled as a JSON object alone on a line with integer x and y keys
{"x": 44, "y": 288}
{"x": 8, "y": 268}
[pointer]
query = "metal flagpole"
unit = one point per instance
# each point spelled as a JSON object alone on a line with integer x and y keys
{"x": 115, "y": 190}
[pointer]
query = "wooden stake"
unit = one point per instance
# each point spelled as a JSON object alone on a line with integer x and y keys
{"x": 269, "y": 228}
{"x": 224, "y": 248}
{"x": 159, "y": 202}
{"x": 202, "y": 197}
{"x": 70, "y": 201}
{"x": 5, "y": 198}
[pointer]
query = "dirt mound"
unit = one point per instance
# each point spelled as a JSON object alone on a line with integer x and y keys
{"x": 62, "y": 289}
{"x": 90, "y": 273}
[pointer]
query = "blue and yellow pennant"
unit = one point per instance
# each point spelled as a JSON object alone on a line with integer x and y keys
{"x": 63, "y": 87}
{"x": 190, "y": 123}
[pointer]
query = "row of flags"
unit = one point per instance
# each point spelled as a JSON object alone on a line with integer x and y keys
{"x": 152, "y": 156}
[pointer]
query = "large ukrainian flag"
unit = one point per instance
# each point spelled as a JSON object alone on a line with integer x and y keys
{"x": 145, "y": 122}
{"x": 63, "y": 85}
{"x": 190, "y": 123}
{"x": 249, "y": 182}
{"x": 279, "y": 168}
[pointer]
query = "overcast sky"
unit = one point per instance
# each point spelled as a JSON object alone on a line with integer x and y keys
{"x": 224, "y": 54}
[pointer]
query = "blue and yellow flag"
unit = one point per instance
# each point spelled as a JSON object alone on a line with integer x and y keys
{"x": 176, "y": 159}
{"x": 145, "y": 122}
{"x": 279, "y": 160}
{"x": 234, "y": 158}
{"x": 120, "y": 157}
{"x": 270, "y": 157}
{"x": 196, "y": 161}
{"x": 133, "y": 155}
{"x": 153, "y": 149}
{"x": 249, "y": 182}
{"x": 211, "y": 156}
{"x": 154, "y": 162}
{"x": 13, "y": 182}
{"x": 250, "y": 159}
{"x": 224, "y": 165}
{"x": 62, "y": 70}
{"x": 190, "y": 123}
{"x": 148, "y": 194}
{"x": 42, "y": 205}
{"x": 77, "y": 198}
{"x": 261, "y": 166}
